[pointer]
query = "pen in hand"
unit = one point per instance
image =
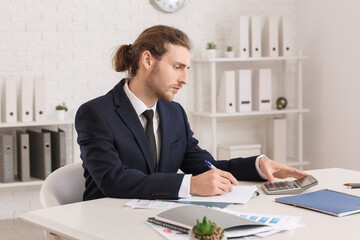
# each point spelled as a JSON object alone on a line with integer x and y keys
{"x": 213, "y": 167}
{"x": 210, "y": 165}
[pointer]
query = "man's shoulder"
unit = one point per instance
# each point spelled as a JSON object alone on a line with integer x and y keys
{"x": 106, "y": 98}
{"x": 170, "y": 105}
{"x": 99, "y": 100}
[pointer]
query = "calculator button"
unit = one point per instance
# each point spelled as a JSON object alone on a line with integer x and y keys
{"x": 271, "y": 187}
{"x": 279, "y": 186}
{"x": 290, "y": 185}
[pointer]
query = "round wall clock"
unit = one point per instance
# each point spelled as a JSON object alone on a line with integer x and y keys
{"x": 169, "y": 6}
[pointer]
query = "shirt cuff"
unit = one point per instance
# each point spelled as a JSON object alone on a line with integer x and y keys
{"x": 184, "y": 191}
{"x": 257, "y": 165}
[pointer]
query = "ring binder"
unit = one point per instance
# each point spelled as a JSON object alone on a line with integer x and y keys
{"x": 168, "y": 225}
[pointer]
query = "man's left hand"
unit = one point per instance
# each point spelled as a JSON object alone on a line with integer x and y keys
{"x": 274, "y": 169}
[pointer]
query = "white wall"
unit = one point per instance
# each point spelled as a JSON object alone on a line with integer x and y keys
{"x": 71, "y": 42}
{"x": 328, "y": 33}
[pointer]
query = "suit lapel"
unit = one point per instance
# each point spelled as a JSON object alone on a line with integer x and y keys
{"x": 165, "y": 134}
{"x": 129, "y": 116}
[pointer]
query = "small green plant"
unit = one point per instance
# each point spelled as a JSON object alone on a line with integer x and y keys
{"x": 211, "y": 45}
{"x": 204, "y": 228}
{"x": 229, "y": 48}
{"x": 61, "y": 107}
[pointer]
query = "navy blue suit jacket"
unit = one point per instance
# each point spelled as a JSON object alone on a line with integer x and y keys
{"x": 117, "y": 158}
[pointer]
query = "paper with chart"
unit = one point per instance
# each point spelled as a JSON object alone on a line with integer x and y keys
{"x": 239, "y": 194}
{"x": 278, "y": 223}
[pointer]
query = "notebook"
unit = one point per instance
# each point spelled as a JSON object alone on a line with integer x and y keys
{"x": 184, "y": 218}
{"x": 326, "y": 201}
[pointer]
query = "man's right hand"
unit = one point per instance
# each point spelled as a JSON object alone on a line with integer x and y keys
{"x": 212, "y": 182}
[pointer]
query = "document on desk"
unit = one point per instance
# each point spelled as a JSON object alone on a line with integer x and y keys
{"x": 239, "y": 194}
{"x": 152, "y": 204}
{"x": 277, "y": 223}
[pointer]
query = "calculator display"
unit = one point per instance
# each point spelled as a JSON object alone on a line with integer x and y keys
{"x": 304, "y": 181}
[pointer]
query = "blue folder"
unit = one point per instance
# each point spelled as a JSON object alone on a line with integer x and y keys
{"x": 326, "y": 201}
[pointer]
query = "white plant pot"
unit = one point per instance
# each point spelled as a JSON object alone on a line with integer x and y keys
{"x": 192, "y": 236}
{"x": 230, "y": 54}
{"x": 60, "y": 114}
{"x": 211, "y": 53}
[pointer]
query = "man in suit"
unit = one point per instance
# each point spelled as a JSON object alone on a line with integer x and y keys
{"x": 134, "y": 139}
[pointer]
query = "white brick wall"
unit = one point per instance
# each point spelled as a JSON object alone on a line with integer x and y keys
{"x": 70, "y": 43}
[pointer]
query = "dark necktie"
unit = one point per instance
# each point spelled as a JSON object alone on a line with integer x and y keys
{"x": 149, "y": 115}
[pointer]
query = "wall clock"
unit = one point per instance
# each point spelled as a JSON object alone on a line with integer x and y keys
{"x": 169, "y": 6}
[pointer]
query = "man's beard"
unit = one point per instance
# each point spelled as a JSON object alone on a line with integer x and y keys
{"x": 160, "y": 92}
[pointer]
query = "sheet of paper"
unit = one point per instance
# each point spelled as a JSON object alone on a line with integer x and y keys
{"x": 153, "y": 204}
{"x": 239, "y": 194}
{"x": 278, "y": 223}
{"x": 169, "y": 233}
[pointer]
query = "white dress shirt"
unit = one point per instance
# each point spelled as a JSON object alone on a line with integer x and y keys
{"x": 140, "y": 107}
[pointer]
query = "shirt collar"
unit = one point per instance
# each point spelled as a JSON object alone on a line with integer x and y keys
{"x": 138, "y": 105}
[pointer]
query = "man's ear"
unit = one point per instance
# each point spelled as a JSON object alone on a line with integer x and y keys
{"x": 147, "y": 59}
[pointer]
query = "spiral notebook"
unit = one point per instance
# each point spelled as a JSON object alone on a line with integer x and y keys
{"x": 326, "y": 201}
{"x": 185, "y": 217}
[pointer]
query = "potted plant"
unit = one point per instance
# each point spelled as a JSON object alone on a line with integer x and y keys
{"x": 207, "y": 230}
{"x": 229, "y": 53}
{"x": 211, "y": 49}
{"x": 60, "y": 111}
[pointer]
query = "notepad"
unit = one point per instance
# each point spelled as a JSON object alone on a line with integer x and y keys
{"x": 326, "y": 201}
{"x": 239, "y": 194}
{"x": 184, "y": 218}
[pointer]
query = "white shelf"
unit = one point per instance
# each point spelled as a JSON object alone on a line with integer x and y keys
{"x": 212, "y": 65}
{"x": 31, "y": 183}
{"x": 237, "y": 59}
{"x": 34, "y": 124}
{"x": 252, "y": 113}
{"x": 50, "y": 122}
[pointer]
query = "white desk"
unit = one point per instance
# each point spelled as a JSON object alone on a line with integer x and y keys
{"x": 108, "y": 218}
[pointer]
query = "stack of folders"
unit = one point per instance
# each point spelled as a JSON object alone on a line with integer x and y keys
{"x": 245, "y": 90}
{"x": 38, "y": 153}
{"x": 269, "y": 36}
{"x": 326, "y": 201}
{"x": 30, "y": 104}
{"x": 184, "y": 218}
{"x": 58, "y": 148}
{"x": 47, "y": 152}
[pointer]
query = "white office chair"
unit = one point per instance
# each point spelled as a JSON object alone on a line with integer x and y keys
{"x": 63, "y": 186}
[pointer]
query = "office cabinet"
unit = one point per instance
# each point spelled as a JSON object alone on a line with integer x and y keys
{"x": 214, "y": 128}
{"x": 16, "y": 127}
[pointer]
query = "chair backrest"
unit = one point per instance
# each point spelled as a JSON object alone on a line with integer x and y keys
{"x": 63, "y": 186}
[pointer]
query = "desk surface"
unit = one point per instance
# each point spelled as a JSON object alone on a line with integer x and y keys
{"x": 109, "y": 218}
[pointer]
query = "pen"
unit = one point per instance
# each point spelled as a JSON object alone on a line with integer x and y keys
{"x": 352, "y": 185}
{"x": 210, "y": 165}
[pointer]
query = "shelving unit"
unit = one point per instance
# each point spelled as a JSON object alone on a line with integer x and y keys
{"x": 11, "y": 128}
{"x": 209, "y": 71}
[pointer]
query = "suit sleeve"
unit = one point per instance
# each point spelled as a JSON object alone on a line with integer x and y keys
{"x": 106, "y": 175}
{"x": 241, "y": 168}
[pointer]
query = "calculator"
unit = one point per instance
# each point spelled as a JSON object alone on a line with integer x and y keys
{"x": 289, "y": 187}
